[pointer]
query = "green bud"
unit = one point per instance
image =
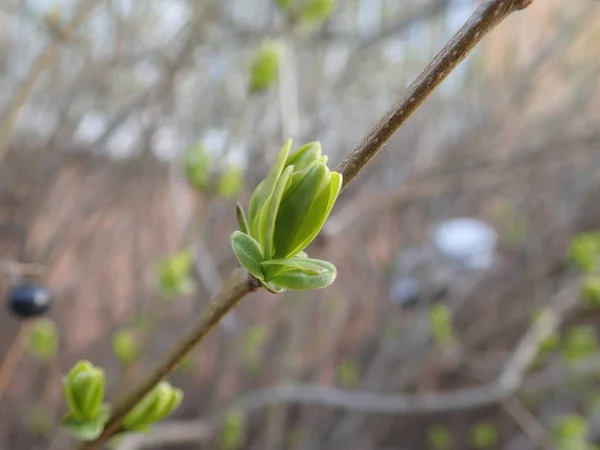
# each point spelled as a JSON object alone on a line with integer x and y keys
{"x": 316, "y": 11}
{"x": 125, "y": 346}
{"x": 157, "y": 405}
{"x": 264, "y": 66}
{"x": 83, "y": 388}
{"x": 197, "y": 166}
{"x": 287, "y": 211}
{"x": 584, "y": 251}
{"x": 590, "y": 291}
{"x": 43, "y": 340}
{"x": 231, "y": 182}
{"x": 174, "y": 274}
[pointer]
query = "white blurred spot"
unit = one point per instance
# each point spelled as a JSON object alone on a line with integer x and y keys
{"x": 469, "y": 242}
{"x": 122, "y": 143}
{"x": 90, "y": 128}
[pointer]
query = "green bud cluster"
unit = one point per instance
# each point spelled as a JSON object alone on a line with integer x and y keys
{"x": 287, "y": 210}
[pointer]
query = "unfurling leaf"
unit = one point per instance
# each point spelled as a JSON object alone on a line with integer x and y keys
{"x": 248, "y": 253}
{"x": 299, "y": 273}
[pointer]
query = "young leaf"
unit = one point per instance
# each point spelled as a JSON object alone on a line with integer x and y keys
{"x": 273, "y": 207}
{"x": 299, "y": 273}
{"x": 265, "y": 188}
{"x": 241, "y": 218}
{"x": 291, "y": 223}
{"x": 248, "y": 253}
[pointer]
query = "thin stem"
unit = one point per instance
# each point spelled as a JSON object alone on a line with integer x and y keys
{"x": 12, "y": 359}
{"x": 43, "y": 61}
{"x": 238, "y": 286}
{"x": 483, "y": 20}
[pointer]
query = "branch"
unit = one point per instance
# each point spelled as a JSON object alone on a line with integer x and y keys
{"x": 509, "y": 382}
{"x": 41, "y": 63}
{"x": 483, "y": 20}
{"x": 238, "y": 286}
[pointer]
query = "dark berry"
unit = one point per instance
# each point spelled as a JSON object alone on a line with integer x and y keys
{"x": 29, "y": 300}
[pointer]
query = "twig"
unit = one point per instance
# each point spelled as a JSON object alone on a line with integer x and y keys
{"x": 12, "y": 359}
{"x": 238, "y": 286}
{"x": 41, "y": 63}
{"x": 483, "y": 20}
{"x": 509, "y": 383}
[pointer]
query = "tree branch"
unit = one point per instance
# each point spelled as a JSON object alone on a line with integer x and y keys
{"x": 483, "y": 20}
{"x": 509, "y": 382}
{"x": 43, "y": 61}
{"x": 238, "y": 286}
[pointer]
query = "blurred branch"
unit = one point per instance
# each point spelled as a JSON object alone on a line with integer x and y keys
{"x": 509, "y": 382}
{"x": 483, "y": 20}
{"x": 492, "y": 174}
{"x": 41, "y": 63}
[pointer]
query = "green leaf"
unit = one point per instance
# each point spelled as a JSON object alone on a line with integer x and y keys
{"x": 241, "y": 218}
{"x": 266, "y": 187}
{"x": 305, "y": 156}
{"x": 248, "y": 253}
{"x": 292, "y": 221}
{"x": 319, "y": 212}
{"x": 88, "y": 430}
{"x": 269, "y": 212}
{"x": 299, "y": 273}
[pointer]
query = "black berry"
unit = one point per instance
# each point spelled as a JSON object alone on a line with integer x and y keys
{"x": 29, "y": 300}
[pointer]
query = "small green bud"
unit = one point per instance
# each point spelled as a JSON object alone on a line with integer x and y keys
{"x": 198, "y": 166}
{"x": 43, "y": 340}
{"x": 440, "y": 321}
{"x": 264, "y": 66}
{"x": 174, "y": 274}
{"x": 233, "y": 431}
{"x": 316, "y": 11}
{"x": 287, "y": 211}
{"x": 590, "y": 291}
{"x": 585, "y": 251}
{"x": 125, "y": 346}
{"x": 156, "y": 406}
{"x": 439, "y": 438}
{"x": 580, "y": 342}
{"x": 571, "y": 433}
{"x": 484, "y": 435}
{"x": 83, "y": 388}
{"x": 231, "y": 182}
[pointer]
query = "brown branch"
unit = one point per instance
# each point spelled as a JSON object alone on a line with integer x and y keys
{"x": 238, "y": 286}
{"x": 42, "y": 62}
{"x": 510, "y": 381}
{"x": 483, "y": 20}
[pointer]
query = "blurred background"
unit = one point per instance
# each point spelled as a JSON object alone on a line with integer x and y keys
{"x": 129, "y": 130}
